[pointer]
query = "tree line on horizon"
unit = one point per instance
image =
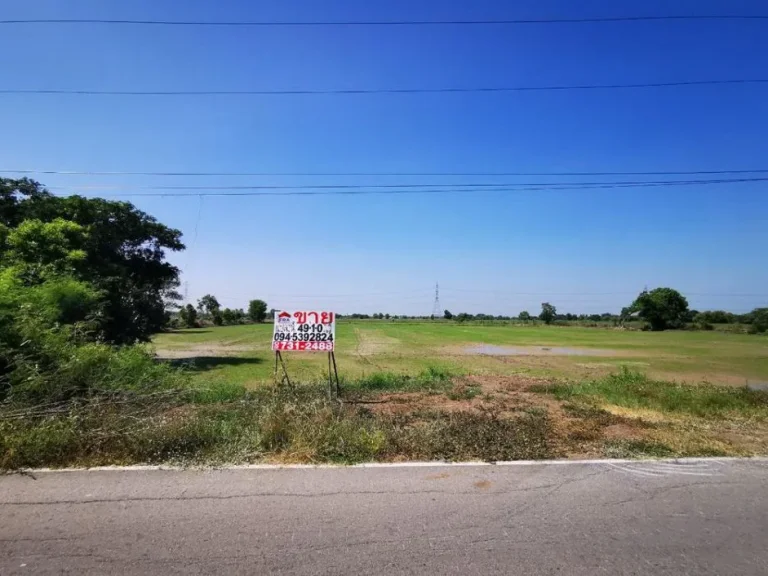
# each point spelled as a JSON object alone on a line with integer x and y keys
{"x": 659, "y": 309}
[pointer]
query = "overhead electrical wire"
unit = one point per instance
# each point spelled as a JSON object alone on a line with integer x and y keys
{"x": 399, "y": 22}
{"x": 340, "y": 191}
{"x": 402, "y": 174}
{"x": 103, "y": 187}
{"x": 370, "y": 91}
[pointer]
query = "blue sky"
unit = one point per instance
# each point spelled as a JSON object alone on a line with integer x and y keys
{"x": 499, "y": 252}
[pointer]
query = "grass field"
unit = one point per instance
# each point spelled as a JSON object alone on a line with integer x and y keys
{"x": 414, "y": 391}
{"x": 241, "y": 354}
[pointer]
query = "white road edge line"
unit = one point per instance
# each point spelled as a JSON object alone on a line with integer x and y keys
{"x": 436, "y": 464}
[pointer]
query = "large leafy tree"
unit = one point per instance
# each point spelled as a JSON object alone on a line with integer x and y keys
{"x": 188, "y": 316}
{"x": 257, "y": 310}
{"x": 548, "y": 313}
{"x": 117, "y": 249}
{"x": 208, "y": 304}
{"x": 662, "y": 308}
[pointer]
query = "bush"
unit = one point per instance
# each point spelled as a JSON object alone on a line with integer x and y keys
{"x": 61, "y": 370}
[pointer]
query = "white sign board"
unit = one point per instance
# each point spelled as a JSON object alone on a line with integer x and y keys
{"x": 305, "y": 331}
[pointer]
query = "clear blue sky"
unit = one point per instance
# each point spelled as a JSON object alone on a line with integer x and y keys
{"x": 492, "y": 252}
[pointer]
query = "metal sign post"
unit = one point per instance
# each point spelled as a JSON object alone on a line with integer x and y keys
{"x": 306, "y": 331}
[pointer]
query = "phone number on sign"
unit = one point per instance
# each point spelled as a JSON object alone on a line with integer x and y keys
{"x": 303, "y": 337}
{"x": 319, "y": 346}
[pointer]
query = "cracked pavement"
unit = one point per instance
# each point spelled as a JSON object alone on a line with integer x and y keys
{"x": 694, "y": 517}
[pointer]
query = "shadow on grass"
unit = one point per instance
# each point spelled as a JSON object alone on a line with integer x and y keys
{"x": 204, "y": 363}
{"x": 183, "y": 331}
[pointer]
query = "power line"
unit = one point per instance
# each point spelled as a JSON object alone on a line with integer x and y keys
{"x": 106, "y": 187}
{"x": 369, "y": 91}
{"x": 343, "y": 23}
{"x": 250, "y": 191}
{"x": 195, "y": 174}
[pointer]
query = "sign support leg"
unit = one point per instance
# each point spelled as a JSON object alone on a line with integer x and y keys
{"x": 285, "y": 377}
{"x": 332, "y": 356}
{"x": 275, "y": 375}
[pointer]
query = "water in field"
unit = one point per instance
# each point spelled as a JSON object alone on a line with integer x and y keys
{"x": 493, "y": 350}
{"x": 762, "y": 386}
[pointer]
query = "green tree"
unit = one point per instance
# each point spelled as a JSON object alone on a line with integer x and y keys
{"x": 447, "y": 315}
{"x": 525, "y": 316}
{"x": 548, "y": 313}
{"x": 188, "y": 316}
{"x": 41, "y": 248}
{"x": 759, "y": 320}
{"x": 112, "y": 246}
{"x": 208, "y": 305}
{"x": 228, "y": 316}
{"x": 257, "y": 310}
{"x": 662, "y": 308}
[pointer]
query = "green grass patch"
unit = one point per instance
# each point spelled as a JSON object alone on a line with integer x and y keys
{"x": 635, "y": 390}
{"x": 433, "y": 379}
{"x": 410, "y": 348}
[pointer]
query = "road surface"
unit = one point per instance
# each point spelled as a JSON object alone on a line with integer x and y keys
{"x": 697, "y": 517}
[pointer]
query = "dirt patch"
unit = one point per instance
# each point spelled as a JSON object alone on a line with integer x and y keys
{"x": 371, "y": 342}
{"x": 577, "y": 432}
{"x": 621, "y": 430}
{"x": 493, "y": 350}
{"x": 204, "y": 350}
{"x": 503, "y": 395}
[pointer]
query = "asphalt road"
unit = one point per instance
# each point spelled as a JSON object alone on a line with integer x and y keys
{"x": 621, "y": 518}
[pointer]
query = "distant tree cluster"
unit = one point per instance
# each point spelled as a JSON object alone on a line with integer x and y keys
{"x": 660, "y": 309}
{"x": 209, "y": 310}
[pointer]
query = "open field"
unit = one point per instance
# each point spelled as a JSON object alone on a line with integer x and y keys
{"x": 241, "y": 354}
{"x": 411, "y": 392}
{"x": 461, "y": 391}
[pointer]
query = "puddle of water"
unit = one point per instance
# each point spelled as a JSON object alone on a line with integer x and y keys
{"x": 761, "y": 386}
{"x": 492, "y": 350}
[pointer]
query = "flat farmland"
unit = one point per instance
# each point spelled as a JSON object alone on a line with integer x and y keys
{"x": 242, "y": 355}
{"x": 418, "y": 392}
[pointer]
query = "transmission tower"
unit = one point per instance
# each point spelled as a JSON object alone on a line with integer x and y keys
{"x": 436, "y": 309}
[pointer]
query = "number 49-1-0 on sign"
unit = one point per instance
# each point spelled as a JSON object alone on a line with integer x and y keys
{"x": 304, "y": 331}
